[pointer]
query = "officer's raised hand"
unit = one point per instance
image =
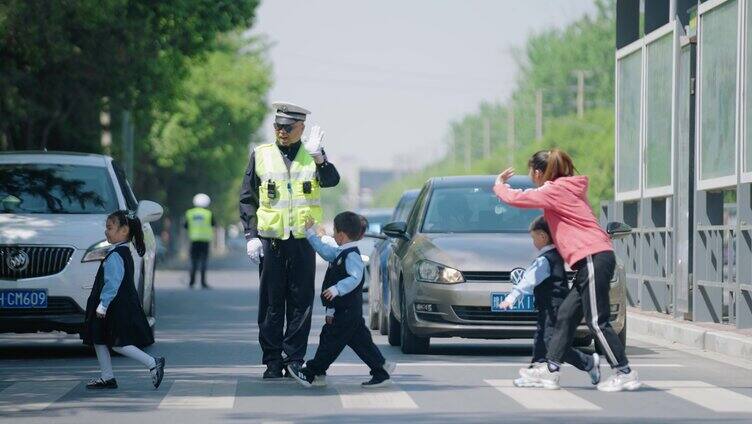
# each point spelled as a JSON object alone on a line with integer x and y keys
{"x": 314, "y": 145}
{"x": 255, "y": 250}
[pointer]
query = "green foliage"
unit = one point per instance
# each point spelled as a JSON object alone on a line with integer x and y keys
{"x": 201, "y": 143}
{"x": 549, "y": 63}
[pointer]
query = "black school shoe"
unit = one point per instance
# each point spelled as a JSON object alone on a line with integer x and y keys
{"x": 100, "y": 383}
{"x": 273, "y": 372}
{"x": 377, "y": 381}
{"x": 157, "y": 373}
{"x": 302, "y": 375}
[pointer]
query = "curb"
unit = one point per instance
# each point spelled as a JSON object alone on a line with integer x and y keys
{"x": 691, "y": 335}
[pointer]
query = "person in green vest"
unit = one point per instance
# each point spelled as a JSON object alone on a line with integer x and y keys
{"x": 199, "y": 221}
{"x": 281, "y": 189}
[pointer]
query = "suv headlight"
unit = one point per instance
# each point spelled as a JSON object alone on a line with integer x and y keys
{"x": 431, "y": 272}
{"x": 96, "y": 252}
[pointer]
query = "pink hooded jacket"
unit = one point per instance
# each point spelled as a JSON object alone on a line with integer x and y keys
{"x": 575, "y": 230}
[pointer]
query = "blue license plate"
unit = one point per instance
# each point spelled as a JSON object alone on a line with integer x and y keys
{"x": 23, "y": 298}
{"x": 524, "y": 303}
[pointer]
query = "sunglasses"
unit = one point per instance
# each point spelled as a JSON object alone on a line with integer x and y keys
{"x": 287, "y": 127}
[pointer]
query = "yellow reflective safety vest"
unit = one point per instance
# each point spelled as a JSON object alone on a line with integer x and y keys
{"x": 286, "y": 196}
{"x": 199, "y": 224}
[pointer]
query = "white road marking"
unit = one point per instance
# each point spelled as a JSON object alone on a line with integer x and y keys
{"x": 33, "y": 396}
{"x": 706, "y": 395}
{"x": 542, "y": 399}
{"x": 390, "y": 397}
{"x": 198, "y": 394}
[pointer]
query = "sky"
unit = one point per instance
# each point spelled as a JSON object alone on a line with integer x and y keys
{"x": 385, "y": 78}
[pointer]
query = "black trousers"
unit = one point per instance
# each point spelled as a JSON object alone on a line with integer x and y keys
{"x": 348, "y": 329}
{"x": 547, "y": 315}
{"x": 589, "y": 296}
{"x": 287, "y": 271}
{"x": 199, "y": 257}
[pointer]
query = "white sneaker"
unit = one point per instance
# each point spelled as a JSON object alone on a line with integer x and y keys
{"x": 526, "y": 382}
{"x": 619, "y": 382}
{"x": 595, "y": 372}
{"x": 540, "y": 376}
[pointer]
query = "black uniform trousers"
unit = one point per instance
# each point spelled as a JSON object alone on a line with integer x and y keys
{"x": 546, "y": 323}
{"x": 589, "y": 296}
{"x": 348, "y": 329}
{"x": 199, "y": 257}
{"x": 287, "y": 272}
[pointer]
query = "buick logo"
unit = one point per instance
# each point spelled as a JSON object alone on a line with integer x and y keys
{"x": 17, "y": 260}
{"x": 516, "y": 275}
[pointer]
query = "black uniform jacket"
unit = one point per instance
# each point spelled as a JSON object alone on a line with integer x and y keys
{"x": 326, "y": 173}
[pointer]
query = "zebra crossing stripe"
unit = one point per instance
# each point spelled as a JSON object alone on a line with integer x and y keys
{"x": 542, "y": 399}
{"x": 705, "y": 395}
{"x": 356, "y": 397}
{"x": 33, "y": 396}
{"x": 200, "y": 394}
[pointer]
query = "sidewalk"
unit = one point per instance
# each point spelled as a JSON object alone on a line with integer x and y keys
{"x": 708, "y": 337}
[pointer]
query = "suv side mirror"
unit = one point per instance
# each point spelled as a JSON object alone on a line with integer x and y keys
{"x": 376, "y": 236}
{"x": 396, "y": 230}
{"x": 617, "y": 230}
{"x": 149, "y": 211}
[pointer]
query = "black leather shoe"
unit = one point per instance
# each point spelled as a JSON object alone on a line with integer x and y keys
{"x": 157, "y": 373}
{"x": 99, "y": 383}
{"x": 273, "y": 372}
{"x": 376, "y": 381}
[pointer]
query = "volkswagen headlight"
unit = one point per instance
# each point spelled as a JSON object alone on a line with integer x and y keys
{"x": 431, "y": 272}
{"x": 96, "y": 252}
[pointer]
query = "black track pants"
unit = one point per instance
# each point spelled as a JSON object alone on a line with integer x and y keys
{"x": 589, "y": 296}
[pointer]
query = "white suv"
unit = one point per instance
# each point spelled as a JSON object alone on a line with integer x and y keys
{"x": 53, "y": 208}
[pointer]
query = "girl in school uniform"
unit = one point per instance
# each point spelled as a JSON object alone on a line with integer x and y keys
{"x": 587, "y": 249}
{"x": 114, "y": 316}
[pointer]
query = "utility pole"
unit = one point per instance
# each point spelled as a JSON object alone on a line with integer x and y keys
{"x": 486, "y": 137}
{"x": 127, "y": 135}
{"x": 511, "y": 144}
{"x": 538, "y": 114}
{"x": 467, "y": 150}
{"x": 581, "y": 74}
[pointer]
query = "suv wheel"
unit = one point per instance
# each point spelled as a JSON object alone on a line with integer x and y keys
{"x": 409, "y": 341}
{"x": 394, "y": 330}
{"x": 383, "y": 323}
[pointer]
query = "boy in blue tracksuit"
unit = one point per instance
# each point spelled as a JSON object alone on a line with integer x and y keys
{"x": 546, "y": 278}
{"x": 342, "y": 295}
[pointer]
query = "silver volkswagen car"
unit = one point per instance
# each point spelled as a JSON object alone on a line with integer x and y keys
{"x": 455, "y": 255}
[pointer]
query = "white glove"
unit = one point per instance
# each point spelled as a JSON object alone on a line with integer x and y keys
{"x": 314, "y": 145}
{"x": 255, "y": 250}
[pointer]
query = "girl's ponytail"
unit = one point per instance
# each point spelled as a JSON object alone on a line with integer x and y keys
{"x": 137, "y": 234}
{"x": 552, "y": 164}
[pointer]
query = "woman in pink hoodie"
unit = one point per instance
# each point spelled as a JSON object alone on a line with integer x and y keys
{"x": 587, "y": 249}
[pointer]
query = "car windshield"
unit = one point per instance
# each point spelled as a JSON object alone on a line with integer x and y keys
{"x": 474, "y": 210}
{"x": 54, "y": 189}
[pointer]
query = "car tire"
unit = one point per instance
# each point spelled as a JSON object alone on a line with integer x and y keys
{"x": 373, "y": 316}
{"x": 383, "y": 323}
{"x": 411, "y": 343}
{"x": 394, "y": 330}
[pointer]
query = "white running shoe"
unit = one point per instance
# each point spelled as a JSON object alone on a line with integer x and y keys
{"x": 620, "y": 381}
{"x": 526, "y": 382}
{"x": 595, "y": 372}
{"x": 540, "y": 376}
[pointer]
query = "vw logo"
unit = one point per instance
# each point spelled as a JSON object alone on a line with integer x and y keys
{"x": 516, "y": 275}
{"x": 17, "y": 260}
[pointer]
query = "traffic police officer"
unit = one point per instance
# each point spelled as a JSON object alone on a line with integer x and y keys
{"x": 280, "y": 189}
{"x": 199, "y": 222}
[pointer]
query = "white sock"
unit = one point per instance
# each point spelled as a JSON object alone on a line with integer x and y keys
{"x": 137, "y": 354}
{"x": 105, "y": 362}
